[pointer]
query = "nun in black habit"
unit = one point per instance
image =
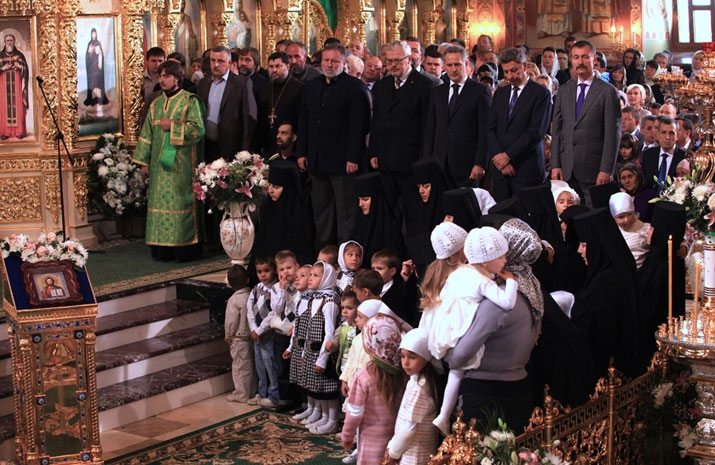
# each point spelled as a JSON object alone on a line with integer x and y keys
{"x": 575, "y": 264}
{"x": 376, "y": 226}
{"x": 463, "y": 208}
{"x": 285, "y": 221}
{"x": 667, "y": 219}
{"x": 607, "y": 310}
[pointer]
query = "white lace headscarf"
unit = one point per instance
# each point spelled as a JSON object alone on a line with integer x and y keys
{"x": 524, "y": 249}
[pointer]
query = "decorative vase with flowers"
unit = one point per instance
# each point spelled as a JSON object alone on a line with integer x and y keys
{"x": 234, "y": 186}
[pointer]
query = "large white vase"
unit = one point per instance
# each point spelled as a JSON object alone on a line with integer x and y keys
{"x": 237, "y": 231}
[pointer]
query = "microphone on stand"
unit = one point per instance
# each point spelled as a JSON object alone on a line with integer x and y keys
{"x": 40, "y": 80}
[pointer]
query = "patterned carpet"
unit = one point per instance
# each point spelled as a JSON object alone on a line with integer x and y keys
{"x": 262, "y": 437}
{"x": 123, "y": 265}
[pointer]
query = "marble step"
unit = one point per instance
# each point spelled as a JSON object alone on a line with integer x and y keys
{"x": 152, "y": 394}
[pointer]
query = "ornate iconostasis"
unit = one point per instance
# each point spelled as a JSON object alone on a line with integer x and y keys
{"x": 88, "y": 55}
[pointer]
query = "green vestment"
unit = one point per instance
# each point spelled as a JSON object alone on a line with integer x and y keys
{"x": 174, "y": 217}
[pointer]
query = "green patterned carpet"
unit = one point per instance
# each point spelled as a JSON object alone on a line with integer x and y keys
{"x": 125, "y": 265}
{"x": 262, "y": 437}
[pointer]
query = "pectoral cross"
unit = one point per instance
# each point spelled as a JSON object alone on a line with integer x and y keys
{"x": 272, "y": 117}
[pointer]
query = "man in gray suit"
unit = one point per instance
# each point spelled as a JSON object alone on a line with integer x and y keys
{"x": 586, "y": 126}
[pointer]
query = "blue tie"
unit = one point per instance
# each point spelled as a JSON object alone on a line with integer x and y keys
{"x": 581, "y": 98}
{"x": 512, "y": 102}
{"x": 663, "y": 169}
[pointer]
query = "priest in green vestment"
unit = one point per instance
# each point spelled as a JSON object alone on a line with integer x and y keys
{"x": 170, "y": 146}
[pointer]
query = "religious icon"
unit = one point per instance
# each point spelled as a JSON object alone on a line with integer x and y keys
{"x": 50, "y": 283}
{"x": 240, "y": 30}
{"x": 16, "y": 112}
{"x": 94, "y": 61}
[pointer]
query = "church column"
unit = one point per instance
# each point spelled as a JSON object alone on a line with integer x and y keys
{"x": 430, "y": 19}
{"x": 132, "y": 74}
{"x": 49, "y": 68}
{"x": 463, "y": 26}
{"x": 220, "y": 24}
{"x": 395, "y": 22}
{"x": 168, "y": 24}
{"x": 67, "y": 117}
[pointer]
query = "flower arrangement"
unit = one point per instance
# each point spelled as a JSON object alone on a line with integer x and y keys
{"x": 49, "y": 247}
{"x": 116, "y": 185}
{"x": 499, "y": 448}
{"x": 666, "y": 419}
{"x": 242, "y": 179}
{"x": 698, "y": 199}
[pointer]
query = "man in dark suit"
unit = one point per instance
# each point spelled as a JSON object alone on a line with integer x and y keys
{"x": 631, "y": 122}
{"x": 586, "y": 126}
{"x": 334, "y": 120}
{"x": 249, "y": 61}
{"x": 399, "y": 112}
{"x": 524, "y": 109}
{"x": 456, "y": 127}
{"x": 660, "y": 162}
{"x": 230, "y": 108}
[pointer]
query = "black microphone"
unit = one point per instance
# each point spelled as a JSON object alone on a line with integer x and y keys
{"x": 40, "y": 80}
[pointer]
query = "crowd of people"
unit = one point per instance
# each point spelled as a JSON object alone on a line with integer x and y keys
{"x": 488, "y": 211}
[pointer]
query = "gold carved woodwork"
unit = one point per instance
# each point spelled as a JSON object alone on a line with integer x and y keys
{"x": 273, "y": 22}
{"x": 133, "y": 72}
{"x": 359, "y": 20}
{"x": 168, "y": 24}
{"x": 67, "y": 116}
{"x": 395, "y": 25}
{"x": 47, "y": 48}
{"x": 430, "y": 19}
{"x": 80, "y": 193}
{"x": 19, "y": 6}
{"x": 637, "y": 21}
{"x": 52, "y": 196}
{"x": 220, "y": 24}
{"x": 20, "y": 199}
{"x": 463, "y": 26}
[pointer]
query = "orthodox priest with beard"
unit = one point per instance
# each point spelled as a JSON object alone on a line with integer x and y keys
{"x": 14, "y": 100}
{"x": 278, "y": 103}
{"x": 170, "y": 146}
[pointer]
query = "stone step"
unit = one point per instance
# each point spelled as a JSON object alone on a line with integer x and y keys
{"x": 153, "y": 394}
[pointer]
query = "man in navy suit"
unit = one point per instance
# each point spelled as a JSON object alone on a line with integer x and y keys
{"x": 661, "y": 162}
{"x": 333, "y": 122}
{"x": 586, "y": 126}
{"x": 520, "y": 116}
{"x": 456, "y": 128}
{"x": 399, "y": 112}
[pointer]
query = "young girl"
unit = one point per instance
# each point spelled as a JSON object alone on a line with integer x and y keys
{"x": 376, "y": 392}
{"x": 415, "y": 439}
{"x": 564, "y": 197}
{"x": 485, "y": 249}
{"x": 295, "y": 350}
{"x": 346, "y": 332}
{"x": 317, "y": 371}
{"x": 349, "y": 259}
{"x": 629, "y": 151}
{"x": 448, "y": 244}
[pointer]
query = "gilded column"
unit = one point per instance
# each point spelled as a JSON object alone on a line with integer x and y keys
{"x": 90, "y": 348}
{"x": 80, "y": 178}
{"x": 463, "y": 26}
{"x": 395, "y": 22}
{"x": 133, "y": 72}
{"x": 168, "y": 25}
{"x": 359, "y": 20}
{"x": 269, "y": 38}
{"x": 49, "y": 68}
{"x": 220, "y": 24}
{"x": 67, "y": 117}
{"x": 430, "y": 19}
{"x": 30, "y": 420}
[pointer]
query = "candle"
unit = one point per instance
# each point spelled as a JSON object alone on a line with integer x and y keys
{"x": 670, "y": 274}
{"x": 613, "y": 33}
{"x": 696, "y": 303}
{"x": 633, "y": 32}
{"x": 620, "y": 35}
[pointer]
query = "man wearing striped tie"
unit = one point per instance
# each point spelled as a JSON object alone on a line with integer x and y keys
{"x": 520, "y": 116}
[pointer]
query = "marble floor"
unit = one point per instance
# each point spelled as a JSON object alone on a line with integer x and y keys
{"x": 168, "y": 425}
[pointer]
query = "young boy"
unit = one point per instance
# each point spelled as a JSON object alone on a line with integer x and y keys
{"x": 349, "y": 259}
{"x": 284, "y": 302}
{"x": 259, "y": 319}
{"x": 329, "y": 254}
{"x": 238, "y": 336}
{"x": 399, "y": 295}
{"x": 346, "y": 332}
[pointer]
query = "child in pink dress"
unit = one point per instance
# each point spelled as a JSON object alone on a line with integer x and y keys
{"x": 376, "y": 392}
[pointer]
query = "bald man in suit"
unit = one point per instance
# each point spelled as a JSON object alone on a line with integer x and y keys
{"x": 586, "y": 126}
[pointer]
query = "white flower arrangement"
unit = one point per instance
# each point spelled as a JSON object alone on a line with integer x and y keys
{"x": 116, "y": 184}
{"x": 242, "y": 179}
{"x": 49, "y": 247}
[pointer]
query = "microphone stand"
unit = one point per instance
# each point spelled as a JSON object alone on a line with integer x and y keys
{"x": 59, "y": 138}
